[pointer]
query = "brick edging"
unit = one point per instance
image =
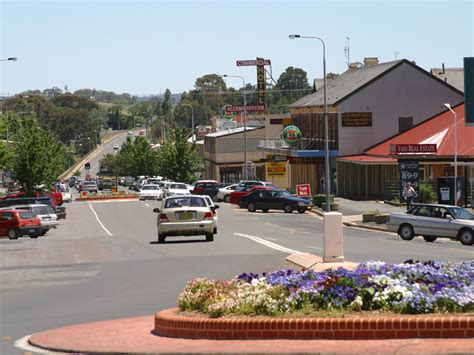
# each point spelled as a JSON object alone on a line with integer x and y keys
{"x": 170, "y": 324}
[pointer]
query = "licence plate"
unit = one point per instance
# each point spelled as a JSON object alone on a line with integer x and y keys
{"x": 185, "y": 215}
{"x": 32, "y": 231}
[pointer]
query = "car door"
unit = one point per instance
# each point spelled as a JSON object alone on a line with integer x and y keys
{"x": 423, "y": 220}
{"x": 8, "y": 222}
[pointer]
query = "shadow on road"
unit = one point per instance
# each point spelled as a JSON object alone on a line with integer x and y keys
{"x": 180, "y": 241}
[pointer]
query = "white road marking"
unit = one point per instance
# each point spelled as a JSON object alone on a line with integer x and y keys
{"x": 272, "y": 239}
{"x": 98, "y": 220}
{"x": 23, "y": 344}
{"x": 309, "y": 246}
{"x": 146, "y": 204}
{"x": 268, "y": 244}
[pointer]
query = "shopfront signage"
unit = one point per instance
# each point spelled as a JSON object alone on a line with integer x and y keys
{"x": 276, "y": 168}
{"x": 409, "y": 172}
{"x": 469, "y": 90}
{"x": 303, "y": 160}
{"x": 357, "y": 119}
{"x": 253, "y": 62}
{"x": 291, "y": 135}
{"x": 413, "y": 148}
{"x": 249, "y": 108}
{"x": 303, "y": 190}
{"x": 226, "y": 124}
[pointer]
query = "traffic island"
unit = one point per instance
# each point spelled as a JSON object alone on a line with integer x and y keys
{"x": 171, "y": 324}
{"x": 106, "y": 197}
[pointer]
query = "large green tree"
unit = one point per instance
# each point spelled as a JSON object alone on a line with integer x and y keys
{"x": 178, "y": 159}
{"x": 293, "y": 84}
{"x": 37, "y": 157}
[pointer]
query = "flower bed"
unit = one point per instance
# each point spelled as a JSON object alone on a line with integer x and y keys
{"x": 408, "y": 288}
{"x": 113, "y": 196}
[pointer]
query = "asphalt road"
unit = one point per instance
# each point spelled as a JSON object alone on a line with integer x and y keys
{"x": 103, "y": 262}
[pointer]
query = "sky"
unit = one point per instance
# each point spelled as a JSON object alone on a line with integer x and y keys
{"x": 145, "y": 47}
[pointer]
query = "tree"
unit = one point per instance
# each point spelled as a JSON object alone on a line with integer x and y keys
{"x": 293, "y": 83}
{"x": 136, "y": 158}
{"x": 178, "y": 159}
{"x": 213, "y": 89}
{"x": 36, "y": 157}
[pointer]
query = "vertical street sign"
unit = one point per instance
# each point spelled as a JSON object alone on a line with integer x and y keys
{"x": 469, "y": 90}
{"x": 409, "y": 172}
{"x": 260, "y": 82}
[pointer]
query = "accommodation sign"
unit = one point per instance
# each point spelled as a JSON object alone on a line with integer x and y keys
{"x": 357, "y": 119}
{"x": 253, "y": 62}
{"x": 248, "y": 108}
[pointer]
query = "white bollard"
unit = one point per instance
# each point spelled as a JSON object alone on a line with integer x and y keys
{"x": 333, "y": 248}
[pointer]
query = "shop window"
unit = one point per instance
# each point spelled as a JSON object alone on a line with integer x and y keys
{"x": 404, "y": 123}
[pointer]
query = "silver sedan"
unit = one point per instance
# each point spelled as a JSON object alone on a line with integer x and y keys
{"x": 433, "y": 221}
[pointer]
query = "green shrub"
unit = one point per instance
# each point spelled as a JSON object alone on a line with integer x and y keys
{"x": 426, "y": 193}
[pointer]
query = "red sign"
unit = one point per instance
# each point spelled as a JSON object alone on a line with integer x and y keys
{"x": 253, "y": 62}
{"x": 413, "y": 148}
{"x": 303, "y": 190}
{"x": 250, "y": 108}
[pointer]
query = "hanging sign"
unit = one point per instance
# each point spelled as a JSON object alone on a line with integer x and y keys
{"x": 291, "y": 135}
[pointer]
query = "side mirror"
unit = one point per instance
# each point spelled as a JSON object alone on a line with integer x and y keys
{"x": 449, "y": 217}
{"x": 156, "y": 210}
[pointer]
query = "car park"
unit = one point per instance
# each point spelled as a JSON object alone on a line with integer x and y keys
{"x": 223, "y": 194}
{"x": 235, "y": 195}
{"x": 60, "y": 211}
{"x": 433, "y": 221}
{"x": 206, "y": 187}
{"x": 150, "y": 192}
{"x": 17, "y": 223}
{"x": 185, "y": 216}
{"x": 271, "y": 199}
{"x": 45, "y": 213}
{"x": 176, "y": 189}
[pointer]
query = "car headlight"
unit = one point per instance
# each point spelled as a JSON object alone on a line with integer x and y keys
{"x": 301, "y": 204}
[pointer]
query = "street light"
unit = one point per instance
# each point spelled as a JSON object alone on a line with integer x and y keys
{"x": 245, "y": 121}
{"x": 448, "y": 106}
{"x": 192, "y": 120}
{"x": 12, "y": 59}
{"x": 325, "y": 116}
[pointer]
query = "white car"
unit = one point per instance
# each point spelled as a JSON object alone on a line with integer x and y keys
{"x": 176, "y": 189}
{"x": 45, "y": 213}
{"x": 213, "y": 209}
{"x": 223, "y": 194}
{"x": 185, "y": 216}
{"x": 116, "y": 147}
{"x": 150, "y": 192}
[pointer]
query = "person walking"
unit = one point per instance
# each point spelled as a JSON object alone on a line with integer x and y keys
{"x": 408, "y": 194}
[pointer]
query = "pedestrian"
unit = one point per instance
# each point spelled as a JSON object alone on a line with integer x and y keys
{"x": 408, "y": 194}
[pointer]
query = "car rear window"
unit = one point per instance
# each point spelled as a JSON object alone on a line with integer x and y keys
{"x": 150, "y": 187}
{"x": 179, "y": 186}
{"x": 185, "y": 202}
{"x": 26, "y": 215}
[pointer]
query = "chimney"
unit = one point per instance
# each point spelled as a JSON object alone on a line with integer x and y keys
{"x": 443, "y": 68}
{"x": 371, "y": 61}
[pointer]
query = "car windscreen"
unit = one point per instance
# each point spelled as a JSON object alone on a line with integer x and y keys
{"x": 150, "y": 187}
{"x": 461, "y": 213}
{"x": 185, "y": 202}
{"x": 284, "y": 193}
{"x": 178, "y": 186}
{"x": 26, "y": 215}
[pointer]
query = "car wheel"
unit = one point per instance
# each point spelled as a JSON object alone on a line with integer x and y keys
{"x": 429, "y": 239}
{"x": 287, "y": 208}
{"x": 34, "y": 235}
{"x": 214, "y": 231}
{"x": 265, "y": 210}
{"x": 301, "y": 210}
{"x": 466, "y": 237}
{"x": 43, "y": 232}
{"x": 161, "y": 238}
{"x": 209, "y": 237}
{"x": 241, "y": 205}
{"x": 251, "y": 207}
{"x": 227, "y": 198}
{"x": 12, "y": 234}
{"x": 406, "y": 232}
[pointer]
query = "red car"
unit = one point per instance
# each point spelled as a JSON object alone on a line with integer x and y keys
{"x": 17, "y": 223}
{"x": 235, "y": 195}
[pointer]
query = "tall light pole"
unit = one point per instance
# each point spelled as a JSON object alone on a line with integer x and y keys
{"x": 192, "y": 121}
{"x": 448, "y": 106}
{"x": 325, "y": 116}
{"x": 245, "y": 121}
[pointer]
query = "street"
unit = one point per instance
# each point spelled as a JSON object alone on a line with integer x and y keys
{"x": 103, "y": 262}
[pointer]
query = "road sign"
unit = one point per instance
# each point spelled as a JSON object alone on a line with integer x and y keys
{"x": 87, "y": 166}
{"x": 303, "y": 190}
{"x": 253, "y": 62}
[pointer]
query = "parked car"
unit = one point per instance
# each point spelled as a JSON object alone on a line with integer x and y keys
{"x": 206, "y": 187}
{"x": 60, "y": 211}
{"x": 77, "y": 183}
{"x": 45, "y": 213}
{"x": 235, "y": 195}
{"x": 176, "y": 189}
{"x": 213, "y": 207}
{"x": 185, "y": 216}
{"x": 246, "y": 183}
{"x": 17, "y": 223}
{"x": 433, "y": 221}
{"x": 266, "y": 200}
{"x": 129, "y": 180}
{"x": 150, "y": 192}
{"x": 116, "y": 146}
{"x": 72, "y": 181}
{"x": 223, "y": 194}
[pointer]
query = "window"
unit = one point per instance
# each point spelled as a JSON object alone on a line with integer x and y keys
{"x": 404, "y": 123}
{"x": 7, "y": 216}
{"x": 424, "y": 211}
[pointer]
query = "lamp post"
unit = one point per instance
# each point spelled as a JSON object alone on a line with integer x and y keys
{"x": 448, "y": 106}
{"x": 325, "y": 117}
{"x": 192, "y": 121}
{"x": 245, "y": 121}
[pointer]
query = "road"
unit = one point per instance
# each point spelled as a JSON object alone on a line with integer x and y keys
{"x": 103, "y": 262}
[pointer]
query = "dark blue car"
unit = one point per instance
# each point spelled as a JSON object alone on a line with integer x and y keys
{"x": 266, "y": 200}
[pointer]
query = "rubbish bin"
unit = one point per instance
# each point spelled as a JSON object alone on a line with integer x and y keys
{"x": 446, "y": 190}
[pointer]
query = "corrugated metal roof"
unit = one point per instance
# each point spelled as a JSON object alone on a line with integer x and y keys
{"x": 345, "y": 84}
{"x": 231, "y": 131}
{"x": 452, "y": 76}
